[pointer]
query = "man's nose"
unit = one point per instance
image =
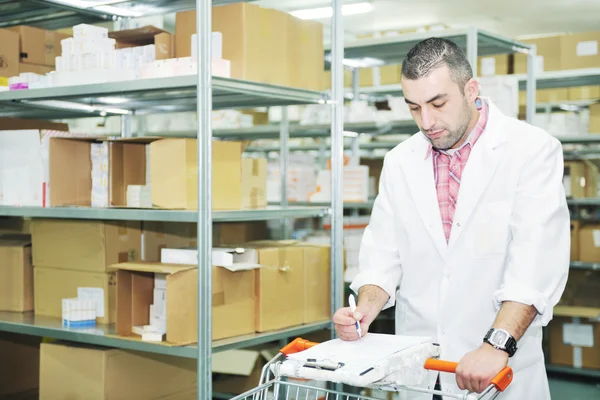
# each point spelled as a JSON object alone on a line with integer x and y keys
{"x": 427, "y": 120}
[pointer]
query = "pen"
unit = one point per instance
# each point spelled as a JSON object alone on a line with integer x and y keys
{"x": 353, "y": 308}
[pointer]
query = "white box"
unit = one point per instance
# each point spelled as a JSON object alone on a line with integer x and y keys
{"x": 233, "y": 259}
{"x": 89, "y": 31}
{"x": 160, "y": 302}
{"x": 160, "y": 281}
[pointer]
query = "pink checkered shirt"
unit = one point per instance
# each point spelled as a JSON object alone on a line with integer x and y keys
{"x": 448, "y": 168}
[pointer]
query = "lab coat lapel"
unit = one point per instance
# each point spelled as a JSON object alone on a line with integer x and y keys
{"x": 479, "y": 170}
{"x": 421, "y": 185}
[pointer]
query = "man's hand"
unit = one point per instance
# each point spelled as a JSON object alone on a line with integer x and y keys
{"x": 477, "y": 369}
{"x": 344, "y": 321}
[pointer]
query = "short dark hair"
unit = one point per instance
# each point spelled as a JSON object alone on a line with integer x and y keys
{"x": 433, "y": 53}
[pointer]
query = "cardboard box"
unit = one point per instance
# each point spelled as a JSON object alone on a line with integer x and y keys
{"x": 279, "y": 285}
{"x": 228, "y": 233}
{"x": 147, "y": 35}
{"x": 574, "y": 336}
{"x": 545, "y": 96}
{"x": 16, "y": 274}
{"x": 174, "y": 172}
{"x": 317, "y": 283}
{"x": 326, "y": 79}
{"x": 580, "y": 50}
{"x": 584, "y": 93}
{"x": 580, "y": 179}
{"x": 378, "y": 76}
{"x": 159, "y": 235}
{"x": 19, "y": 369}
{"x": 9, "y": 53}
{"x": 85, "y": 245}
{"x": 51, "y": 285}
{"x": 70, "y": 371}
{"x": 39, "y": 46}
{"x": 35, "y": 69}
{"x": 575, "y": 226}
{"x": 589, "y": 243}
{"x": 233, "y": 295}
{"x": 493, "y": 65}
{"x": 71, "y": 170}
{"x": 548, "y": 52}
{"x": 254, "y": 183}
{"x": 594, "y": 118}
{"x": 238, "y": 371}
{"x": 306, "y": 50}
{"x": 11, "y": 124}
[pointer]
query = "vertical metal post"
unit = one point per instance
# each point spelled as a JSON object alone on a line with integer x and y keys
{"x": 322, "y": 154}
{"x": 337, "y": 155}
{"x": 355, "y": 83}
{"x": 126, "y": 126}
{"x": 284, "y": 160}
{"x": 531, "y": 84}
{"x": 204, "y": 139}
{"x": 472, "y": 48}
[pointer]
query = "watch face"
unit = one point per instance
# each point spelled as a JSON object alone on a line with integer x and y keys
{"x": 499, "y": 338}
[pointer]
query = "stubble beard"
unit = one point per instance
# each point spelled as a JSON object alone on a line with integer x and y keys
{"x": 454, "y": 135}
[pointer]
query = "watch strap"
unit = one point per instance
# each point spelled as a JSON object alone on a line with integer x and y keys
{"x": 510, "y": 346}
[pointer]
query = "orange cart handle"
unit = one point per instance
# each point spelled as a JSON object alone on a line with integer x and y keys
{"x": 296, "y": 346}
{"x": 500, "y": 381}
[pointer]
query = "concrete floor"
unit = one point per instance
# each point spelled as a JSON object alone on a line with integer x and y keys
{"x": 570, "y": 388}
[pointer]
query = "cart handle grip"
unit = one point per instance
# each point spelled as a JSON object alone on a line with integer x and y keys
{"x": 500, "y": 381}
{"x": 296, "y": 346}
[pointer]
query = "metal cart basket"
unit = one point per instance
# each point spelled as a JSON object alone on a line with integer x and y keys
{"x": 274, "y": 386}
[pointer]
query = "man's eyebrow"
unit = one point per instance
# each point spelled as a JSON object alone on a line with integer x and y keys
{"x": 439, "y": 96}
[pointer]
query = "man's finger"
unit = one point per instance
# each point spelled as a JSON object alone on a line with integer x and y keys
{"x": 459, "y": 381}
{"x": 349, "y": 329}
{"x": 343, "y": 319}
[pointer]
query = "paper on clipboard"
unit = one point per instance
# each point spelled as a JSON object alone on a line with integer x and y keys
{"x": 359, "y": 355}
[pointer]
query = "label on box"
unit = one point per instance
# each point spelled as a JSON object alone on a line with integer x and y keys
{"x": 596, "y": 234}
{"x": 488, "y": 66}
{"x": 589, "y": 48}
{"x": 94, "y": 294}
{"x": 579, "y": 335}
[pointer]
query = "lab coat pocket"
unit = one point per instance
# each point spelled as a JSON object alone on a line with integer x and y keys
{"x": 491, "y": 229}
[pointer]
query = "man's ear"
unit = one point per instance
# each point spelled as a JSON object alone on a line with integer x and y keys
{"x": 471, "y": 89}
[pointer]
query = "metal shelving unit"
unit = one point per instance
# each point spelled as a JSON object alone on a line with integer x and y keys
{"x": 101, "y": 335}
{"x": 131, "y": 214}
{"x": 564, "y": 370}
{"x": 201, "y": 93}
{"x": 585, "y": 266}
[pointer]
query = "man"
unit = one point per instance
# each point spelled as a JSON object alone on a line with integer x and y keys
{"x": 471, "y": 226}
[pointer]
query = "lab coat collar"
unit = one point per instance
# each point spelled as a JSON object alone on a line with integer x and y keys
{"x": 483, "y": 162}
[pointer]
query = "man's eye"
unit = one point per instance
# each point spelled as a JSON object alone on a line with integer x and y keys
{"x": 439, "y": 105}
{"x": 414, "y": 108}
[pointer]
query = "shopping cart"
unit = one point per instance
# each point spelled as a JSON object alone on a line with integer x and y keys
{"x": 274, "y": 386}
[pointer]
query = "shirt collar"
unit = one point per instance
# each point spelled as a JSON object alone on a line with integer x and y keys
{"x": 482, "y": 106}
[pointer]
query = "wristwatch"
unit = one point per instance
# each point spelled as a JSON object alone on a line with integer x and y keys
{"x": 501, "y": 340}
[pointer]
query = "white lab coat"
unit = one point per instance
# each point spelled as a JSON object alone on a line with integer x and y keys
{"x": 510, "y": 241}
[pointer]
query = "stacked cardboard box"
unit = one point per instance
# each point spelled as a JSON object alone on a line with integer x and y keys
{"x": 9, "y": 54}
{"x": 38, "y": 47}
{"x": 19, "y": 369}
{"x": 16, "y": 274}
{"x": 595, "y": 118}
{"x": 252, "y": 34}
{"x": 71, "y": 256}
{"x": 97, "y": 373}
{"x": 580, "y": 179}
{"x": 236, "y": 183}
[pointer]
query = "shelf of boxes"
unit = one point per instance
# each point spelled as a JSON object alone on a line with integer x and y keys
{"x": 585, "y": 266}
{"x": 145, "y": 96}
{"x": 581, "y": 372}
{"x": 131, "y": 214}
{"x": 562, "y": 79}
{"x": 102, "y": 335}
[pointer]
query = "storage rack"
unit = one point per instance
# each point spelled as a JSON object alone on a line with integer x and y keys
{"x": 201, "y": 93}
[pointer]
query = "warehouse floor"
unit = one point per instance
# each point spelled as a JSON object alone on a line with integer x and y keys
{"x": 569, "y": 388}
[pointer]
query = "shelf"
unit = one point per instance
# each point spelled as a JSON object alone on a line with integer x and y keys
{"x": 347, "y": 205}
{"x": 132, "y": 214}
{"x": 28, "y": 324}
{"x": 582, "y": 372}
{"x": 585, "y": 266}
{"x": 272, "y": 131}
{"x": 590, "y": 201}
{"x": 561, "y": 79}
{"x": 50, "y": 14}
{"x": 145, "y": 96}
{"x": 583, "y": 139}
{"x": 315, "y": 147}
{"x": 392, "y": 50}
